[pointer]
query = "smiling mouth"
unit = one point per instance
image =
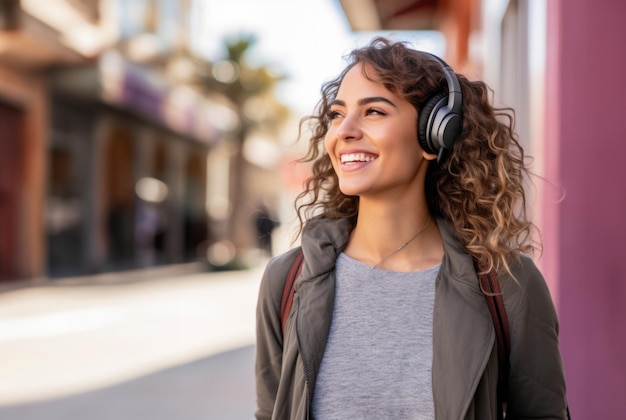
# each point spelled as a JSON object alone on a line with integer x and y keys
{"x": 356, "y": 158}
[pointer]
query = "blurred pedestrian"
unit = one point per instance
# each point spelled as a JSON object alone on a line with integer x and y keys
{"x": 417, "y": 187}
{"x": 265, "y": 225}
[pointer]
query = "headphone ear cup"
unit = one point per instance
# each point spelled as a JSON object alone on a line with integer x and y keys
{"x": 424, "y": 123}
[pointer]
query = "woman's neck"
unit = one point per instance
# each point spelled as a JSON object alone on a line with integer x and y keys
{"x": 395, "y": 237}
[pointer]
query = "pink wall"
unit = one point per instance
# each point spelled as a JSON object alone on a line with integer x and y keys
{"x": 585, "y": 234}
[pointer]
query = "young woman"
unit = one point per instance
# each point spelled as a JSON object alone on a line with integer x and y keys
{"x": 417, "y": 186}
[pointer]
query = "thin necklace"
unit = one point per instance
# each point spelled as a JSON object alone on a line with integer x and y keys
{"x": 404, "y": 244}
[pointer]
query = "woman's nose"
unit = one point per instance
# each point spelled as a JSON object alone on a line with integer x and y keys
{"x": 349, "y": 129}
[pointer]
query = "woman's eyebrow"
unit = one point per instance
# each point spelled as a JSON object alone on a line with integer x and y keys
{"x": 373, "y": 99}
{"x": 365, "y": 101}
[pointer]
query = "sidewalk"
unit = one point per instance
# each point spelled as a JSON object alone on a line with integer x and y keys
{"x": 67, "y": 339}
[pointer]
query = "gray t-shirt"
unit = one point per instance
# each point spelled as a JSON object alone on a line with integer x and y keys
{"x": 378, "y": 359}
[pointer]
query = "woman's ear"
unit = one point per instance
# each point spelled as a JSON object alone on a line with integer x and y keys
{"x": 429, "y": 156}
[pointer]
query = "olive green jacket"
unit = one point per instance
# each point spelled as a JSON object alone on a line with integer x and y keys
{"x": 465, "y": 365}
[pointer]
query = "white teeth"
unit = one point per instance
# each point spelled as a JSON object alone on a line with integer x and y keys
{"x": 356, "y": 157}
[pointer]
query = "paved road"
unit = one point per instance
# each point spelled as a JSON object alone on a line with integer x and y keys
{"x": 175, "y": 347}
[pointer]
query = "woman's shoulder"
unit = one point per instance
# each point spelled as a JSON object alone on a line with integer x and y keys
{"x": 282, "y": 262}
{"x": 525, "y": 267}
{"x": 529, "y": 286}
{"x": 277, "y": 267}
{"x": 526, "y": 273}
{"x": 275, "y": 275}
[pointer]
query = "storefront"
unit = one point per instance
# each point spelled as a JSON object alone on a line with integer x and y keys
{"x": 127, "y": 171}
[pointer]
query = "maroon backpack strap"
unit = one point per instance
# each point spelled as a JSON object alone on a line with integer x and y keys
{"x": 493, "y": 296}
{"x": 489, "y": 283}
{"x": 289, "y": 289}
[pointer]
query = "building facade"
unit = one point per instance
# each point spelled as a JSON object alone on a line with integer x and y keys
{"x": 104, "y": 147}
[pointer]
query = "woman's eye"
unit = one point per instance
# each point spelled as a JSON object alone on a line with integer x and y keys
{"x": 333, "y": 114}
{"x": 374, "y": 111}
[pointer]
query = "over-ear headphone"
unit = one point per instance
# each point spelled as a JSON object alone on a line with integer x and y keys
{"x": 440, "y": 121}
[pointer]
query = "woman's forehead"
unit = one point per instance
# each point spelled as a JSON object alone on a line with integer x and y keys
{"x": 360, "y": 73}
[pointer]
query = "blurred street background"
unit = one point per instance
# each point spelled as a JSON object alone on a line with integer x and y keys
{"x": 148, "y": 168}
{"x": 172, "y": 345}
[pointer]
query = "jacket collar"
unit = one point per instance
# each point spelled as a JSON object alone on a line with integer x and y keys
{"x": 322, "y": 241}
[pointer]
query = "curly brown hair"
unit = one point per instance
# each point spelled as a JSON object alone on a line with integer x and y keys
{"x": 478, "y": 188}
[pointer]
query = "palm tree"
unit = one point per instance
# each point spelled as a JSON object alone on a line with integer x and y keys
{"x": 242, "y": 84}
